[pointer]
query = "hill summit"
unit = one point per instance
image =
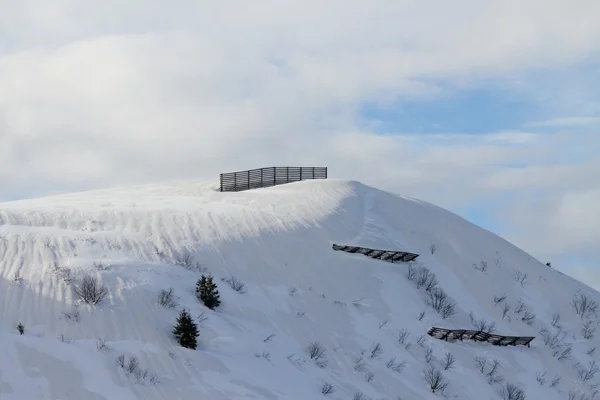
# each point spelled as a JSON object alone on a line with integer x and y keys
{"x": 296, "y": 319}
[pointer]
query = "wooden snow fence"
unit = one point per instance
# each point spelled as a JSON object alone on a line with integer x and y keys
{"x": 479, "y": 336}
{"x": 265, "y": 177}
{"x": 384, "y": 255}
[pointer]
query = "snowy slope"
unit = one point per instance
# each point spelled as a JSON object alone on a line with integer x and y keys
{"x": 278, "y": 242}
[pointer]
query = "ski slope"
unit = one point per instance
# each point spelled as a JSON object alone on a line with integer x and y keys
{"x": 277, "y": 241}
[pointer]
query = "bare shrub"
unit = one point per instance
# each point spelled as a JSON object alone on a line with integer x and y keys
{"x": 132, "y": 368}
{"x": 265, "y": 354}
{"x": 521, "y": 277}
{"x": 102, "y": 266}
{"x": 564, "y": 352}
{"x": 541, "y": 377}
{"x": 555, "y": 381}
{"x": 65, "y": 339}
{"x": 73, "y": 315}
{"x": 482, "y": 266}
{"x": 90, "y": 290}
{"x": 492, "y": 374}
{"x": 588, "y": 329}
{"x": 448, "y": 361}
{"x": 505, "y": 310}
{"x": 435, "y": 379}
{"x": 584, "y": 306}
{"x": 382, "y": 323}
{"x": 188, "y": 262}
{"x": 557, "y": 342}
{"x": 481, "y": 324}
{"x": 432, "y": 248}
{"x": 327, "y": 389}
{"x": 316, "y": 352}
{"x": 359, "y": 364}
{"x": 556, "y": 321}
{"x": 359, "y": 396}
{"x": 426, "y": 279}
{"x": 528, "y": 318}
{"x": 167, "y": 299}
{"x": 268, "y": 338}
{"x": 520, "y": 307}
{"x": 511, "y": 391}
{"x": 524, "y": 313}
{"x": 202, "y": 317}
{"x": 235, "y": 284}
{"x": 411, "y": 273}
{"x": 101, "y": 345}
{"x": 376, "y": 350}
{"x": 441, "y": 302}
{"x": 369, "y": 376}
{"x": 421, "y": 316}
{"x": 591, "y": 351}
{"x": 396, "y": 366}
{"x": 499, "y": 299}
{"x": 132, "y": 364}
{"x": 421, "y": 340}
{"x": 586, "y": 374}
{"x": 121, "y": 360}
{"x": 428, "y": 354}
{"x": 403, "y": 335}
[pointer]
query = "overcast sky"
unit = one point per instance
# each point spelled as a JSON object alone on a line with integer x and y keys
{"x": 488, "y": 108}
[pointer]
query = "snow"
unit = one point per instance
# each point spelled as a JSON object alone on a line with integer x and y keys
{"x": 278, "y": 242}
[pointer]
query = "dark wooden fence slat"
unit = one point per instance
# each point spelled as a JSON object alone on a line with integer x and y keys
{"x": 377, "y": 254}
{"x": 497, "y": 340}
{"x": 271, "y": 176}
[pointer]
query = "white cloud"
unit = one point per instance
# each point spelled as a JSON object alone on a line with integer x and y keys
{"x": 117, "y": 92}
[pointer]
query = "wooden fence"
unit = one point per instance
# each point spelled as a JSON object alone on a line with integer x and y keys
{"x": 384, "y": 255}
{"x": 479, "y": 336}
{"x": 265, "y": 177}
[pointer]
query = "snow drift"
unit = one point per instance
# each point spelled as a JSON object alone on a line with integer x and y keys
{"x": 368, "y": 316}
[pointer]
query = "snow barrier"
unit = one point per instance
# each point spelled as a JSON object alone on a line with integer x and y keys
{"x": 265, "y": 177}
{"x": 384, "y": 255}
{"x": 479, "y": 336}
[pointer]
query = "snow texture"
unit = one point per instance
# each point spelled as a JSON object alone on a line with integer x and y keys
{"x": 277, "y": 241}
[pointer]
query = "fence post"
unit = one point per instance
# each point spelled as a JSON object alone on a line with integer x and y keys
{"x": 248, "y": 179}
{"x": 274, "y": 176}
{"x": 287, "y": 174}
{"x": 300, "y": 173}
{"x": 235, "y": 181}
{"x": 313, "y": 172}
{"x": 261, "y": 178}
{"x": 325, "y": 172}
{"x": 221, "y": 176}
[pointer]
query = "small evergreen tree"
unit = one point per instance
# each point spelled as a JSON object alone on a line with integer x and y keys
{"x": 207, "y": 293}
{"x": 186, "y": 330}
{"x": 21, "y": 328}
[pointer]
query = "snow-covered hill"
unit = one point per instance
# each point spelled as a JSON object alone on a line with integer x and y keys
{"x": 298, "y": 291}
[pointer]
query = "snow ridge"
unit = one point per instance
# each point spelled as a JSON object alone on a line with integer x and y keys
{"x": 368, "y": 316}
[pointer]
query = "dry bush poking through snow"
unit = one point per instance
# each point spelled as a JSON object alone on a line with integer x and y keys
{"x": 316, "y": 352}
{"x": 166, "y": 298}
{"x": 74, "y": 315}
{"x": 584, "y": 306}
{"x": 435, "y": 379}
{"x": 448, "y": 361}
{"x": 512, "y": 392}
{"x": 235, "y": 284}
{"x": 326, "y": 389}
{"x": 90, "y": 290}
